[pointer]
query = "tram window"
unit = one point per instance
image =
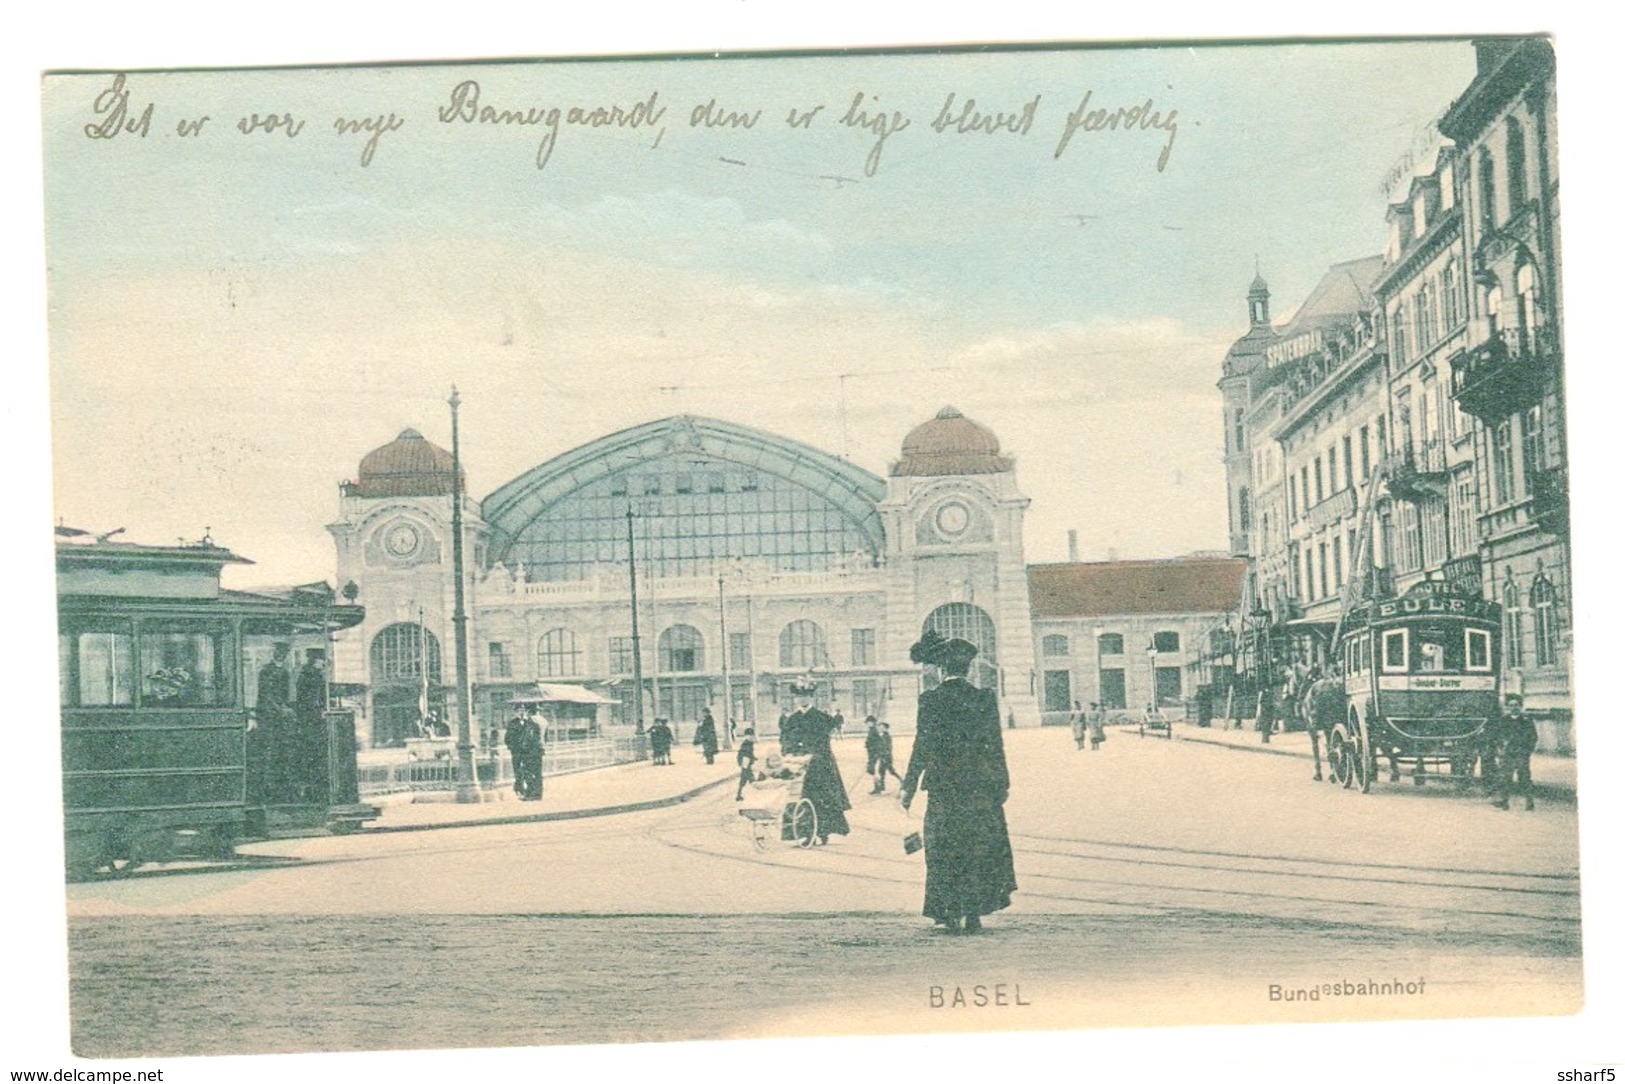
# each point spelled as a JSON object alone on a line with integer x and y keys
{"x": 103, "y": 657}
{"x": 184, "y": 665}
{"x": 1478, "y": 649}
{"x": 1395, "y": 649}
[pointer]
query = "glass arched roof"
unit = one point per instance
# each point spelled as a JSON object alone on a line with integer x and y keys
{"x": 702, "y": 492}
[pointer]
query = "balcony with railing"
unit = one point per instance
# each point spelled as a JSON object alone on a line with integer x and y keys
{"x": 1416, "y": 472}
{"x": 1338, "y": 506}
{"x": 1506, "y": 373}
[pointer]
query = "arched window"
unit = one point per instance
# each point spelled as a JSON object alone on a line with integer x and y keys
{"x": 401, "y": 652}
{"x": 1543, "y": 600}
{"x": 1528, "y": 301}
{"x": 1492, "y": 308}
{"x": 802, "y": 646}
{"x": 970, "y": 622}
{"x": 682, "y": 650}
{"x": 557, "y": 655}
{"x": 1397, "y": 335}
{"x": 1512, "y": 616}
{"x": 1057, "y": 645}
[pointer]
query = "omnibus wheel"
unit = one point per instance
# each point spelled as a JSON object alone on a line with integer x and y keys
{"x": 803, "y": 823}
{"x": 1338, "y": 754}
{"x": 1365, "y": 762}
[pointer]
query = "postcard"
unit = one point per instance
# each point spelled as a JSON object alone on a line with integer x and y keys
{"x": 577, "y": 552}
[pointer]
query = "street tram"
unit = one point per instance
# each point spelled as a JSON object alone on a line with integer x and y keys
{"x": 1421, "y": 674}
{"x": 158, "y": 667}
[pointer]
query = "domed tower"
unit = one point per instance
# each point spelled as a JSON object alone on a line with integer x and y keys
{"x": 393, "y": 542}
{"x": 1244, "y": 364}
{"x": 955, "y": 557}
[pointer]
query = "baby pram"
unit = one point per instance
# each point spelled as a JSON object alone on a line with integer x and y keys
{"x": 773, "y": 801}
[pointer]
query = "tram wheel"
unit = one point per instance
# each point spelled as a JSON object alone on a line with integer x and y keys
{"x": 1338, "y": 752}
{"x": 803, "y": 823}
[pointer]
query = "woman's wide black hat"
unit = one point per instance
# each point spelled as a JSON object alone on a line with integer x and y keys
{"x": 934, "y": 649}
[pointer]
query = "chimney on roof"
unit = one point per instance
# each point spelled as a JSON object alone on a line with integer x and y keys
{"x": 1072, "y": 546}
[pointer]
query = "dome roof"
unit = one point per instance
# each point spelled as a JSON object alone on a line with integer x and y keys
{"x": 407, "y": 466}
{"x": 950, "y": 443}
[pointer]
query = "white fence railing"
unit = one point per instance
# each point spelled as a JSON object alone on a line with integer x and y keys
{"x": 495, "y": 770}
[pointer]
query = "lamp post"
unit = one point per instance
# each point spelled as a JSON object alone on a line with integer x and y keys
{"x": 1151, "y": 654}
{"x": 637, "y": 648}
{"x": 468, "y": 788}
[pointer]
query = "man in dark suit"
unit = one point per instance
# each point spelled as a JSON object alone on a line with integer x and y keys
{"x": 959, "y": 758}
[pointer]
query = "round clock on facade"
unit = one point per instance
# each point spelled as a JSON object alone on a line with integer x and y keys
{"x": 401, "y": 540}
{"x": 952, "y": 519}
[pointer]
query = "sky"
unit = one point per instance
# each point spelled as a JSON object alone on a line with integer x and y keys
{"x": 239, "y": 316}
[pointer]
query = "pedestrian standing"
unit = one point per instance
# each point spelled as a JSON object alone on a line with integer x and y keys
{"x": 660, "y": 741}
{"x": 705, "y": 736}
{"x": 1080, "y": 724}
{"x": 535, "y": 750}
{"x": 1517, "y": 741}
{"x": 959, "y": 758}
{"x": 746, "y": 759}
{"x": 1097, "y": 726}
{"x": 822, "y": 785}
{"x": 884, "y": 765}
{"x": 1266, "y": 712}
{"x": 871, "y": 754}
{"x": 513, "y": 736}
{"x": 840, "y": 724}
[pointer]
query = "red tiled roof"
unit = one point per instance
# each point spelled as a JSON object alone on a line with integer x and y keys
{"x": 1101, "y": 588}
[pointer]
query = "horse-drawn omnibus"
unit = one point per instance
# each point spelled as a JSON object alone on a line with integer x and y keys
{"x": 157, "y": 674}
{"x": 1421, "y": 674}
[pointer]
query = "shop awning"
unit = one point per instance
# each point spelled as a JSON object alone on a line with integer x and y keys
{"x": 548, "y": 693}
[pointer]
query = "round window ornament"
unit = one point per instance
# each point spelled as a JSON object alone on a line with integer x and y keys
{"x": 402, "y": 540}
{"x": 952, "y": 519}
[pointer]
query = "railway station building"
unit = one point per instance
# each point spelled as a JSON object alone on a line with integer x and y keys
{"x": 759, "y": 560}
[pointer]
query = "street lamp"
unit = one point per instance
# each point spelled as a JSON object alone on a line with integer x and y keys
{"x": 1151, "y": 653}
{"x": 468, "y": 787}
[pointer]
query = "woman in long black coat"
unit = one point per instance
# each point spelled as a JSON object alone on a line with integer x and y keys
{"x": 959, "y": 759}
{"x": 809, "y": 730}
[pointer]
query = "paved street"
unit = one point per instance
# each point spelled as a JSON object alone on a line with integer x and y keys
{"x": 1161, "y": 882}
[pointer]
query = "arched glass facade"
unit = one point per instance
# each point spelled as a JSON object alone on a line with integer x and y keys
{"x": 400, "y": 653}
{"x": 690, "y": 516}
{"x": 970, "y": 622}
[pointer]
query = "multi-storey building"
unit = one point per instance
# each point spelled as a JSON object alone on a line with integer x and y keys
{"x": 1416, "y": 401}
{"x": 1509, "y": 376}
{"x": 1427, "y": 511}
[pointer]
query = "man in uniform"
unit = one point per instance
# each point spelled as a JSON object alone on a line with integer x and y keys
{"x": 309, "y": 708}
{"x": 269, "y": 730}
{"x": 1517, "y": 739}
